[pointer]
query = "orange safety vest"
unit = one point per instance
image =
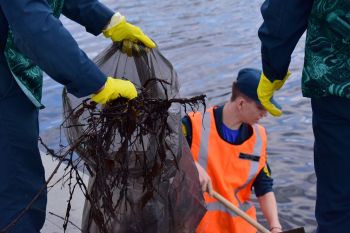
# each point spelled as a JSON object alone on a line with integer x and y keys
{"x": 232, "y": 168}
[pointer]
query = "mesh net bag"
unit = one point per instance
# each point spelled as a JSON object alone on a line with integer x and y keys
{"x": 143, "y": 178}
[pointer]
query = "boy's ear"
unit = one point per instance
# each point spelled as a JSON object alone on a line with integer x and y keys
{"x": 240, "y": 102}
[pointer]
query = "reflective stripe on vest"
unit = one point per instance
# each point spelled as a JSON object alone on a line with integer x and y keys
{"x": 254, "y": 166}
{"x": 203, "y": 150}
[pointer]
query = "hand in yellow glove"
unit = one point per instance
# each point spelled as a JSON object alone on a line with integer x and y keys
{"x": 133, "y": 49}
{"x": 265, "y": 91}
{"x": 119, "y": 29}
{"x": 115, "y": 88}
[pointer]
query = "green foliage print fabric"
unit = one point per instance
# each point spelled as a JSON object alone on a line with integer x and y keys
{"x": 327, "y": 51}
{"x": 27, "y": 74}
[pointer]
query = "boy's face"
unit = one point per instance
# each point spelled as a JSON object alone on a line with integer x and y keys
{"x": 252, "y": 112}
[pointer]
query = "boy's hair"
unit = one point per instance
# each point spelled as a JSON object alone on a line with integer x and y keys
{"x": 235, "y": 92}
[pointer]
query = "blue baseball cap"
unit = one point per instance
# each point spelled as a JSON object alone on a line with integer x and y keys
{"x": 248, "y": 81}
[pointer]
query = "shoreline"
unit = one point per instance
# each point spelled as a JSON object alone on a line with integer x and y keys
{"x": 57, "y": 200}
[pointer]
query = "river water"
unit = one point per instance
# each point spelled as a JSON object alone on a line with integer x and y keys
{"x": 208, "y": 41}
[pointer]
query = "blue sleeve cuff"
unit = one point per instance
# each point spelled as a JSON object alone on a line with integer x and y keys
{"x": 264, "y": 182}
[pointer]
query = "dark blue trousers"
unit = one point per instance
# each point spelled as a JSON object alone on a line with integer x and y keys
{"x": 21, "y": 169}
{"x": 331, "y": 125}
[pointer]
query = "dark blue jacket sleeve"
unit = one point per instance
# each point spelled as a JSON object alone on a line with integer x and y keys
{"x": 284, "y": 23}
{"x": 263, "y": 182}
{"x": 43, "y": 38}
{"x": 91, "y": 14}
{"x": 187, "y": 129}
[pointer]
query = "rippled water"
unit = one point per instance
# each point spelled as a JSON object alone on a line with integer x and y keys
{"x": 208, "y": 41}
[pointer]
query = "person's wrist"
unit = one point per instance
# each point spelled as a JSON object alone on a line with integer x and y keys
{"x": 115, "y": 20}
{"x": 99, "y": 90}
{"x": 275, "y": 228}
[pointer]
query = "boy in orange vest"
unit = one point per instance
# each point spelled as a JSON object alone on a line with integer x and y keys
{"x": 229, "y": 149}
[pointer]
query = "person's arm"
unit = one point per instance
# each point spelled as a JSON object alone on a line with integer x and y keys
{"x": 204, "y": 178}
{"x": 43, "y": 38}
{"x": 98, "y": 18}
{"x": 284, "y": 23}
{"x": 264, "y": 192}
{"x": 91, "y": 14}
{"x": 268, "y": 207}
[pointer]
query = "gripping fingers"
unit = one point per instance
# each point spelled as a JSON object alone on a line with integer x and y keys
{"x": 146, "y": 41}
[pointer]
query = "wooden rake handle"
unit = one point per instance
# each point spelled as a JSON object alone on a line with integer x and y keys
{"x": 240, "y": 213}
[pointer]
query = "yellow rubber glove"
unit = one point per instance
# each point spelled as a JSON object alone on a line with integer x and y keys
{"x": 266, "y": 90}
{"x": 132, "y": 49}
{"x": 118, "y": 30}
{"x": 115, "y": 88}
